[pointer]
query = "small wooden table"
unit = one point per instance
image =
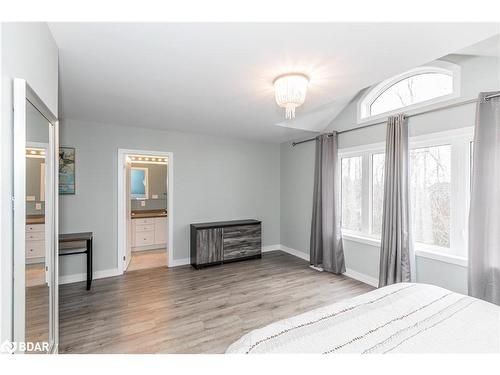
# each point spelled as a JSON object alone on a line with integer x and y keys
{"x": 86, "y": 237}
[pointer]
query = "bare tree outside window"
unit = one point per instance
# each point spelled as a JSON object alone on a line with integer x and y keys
{"x": 415, "y": 89}
{"x": 351, "y": 193}
{"x": 430, "y": 190}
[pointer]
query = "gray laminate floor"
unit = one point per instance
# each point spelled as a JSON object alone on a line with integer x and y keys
{"x": 182, "y": 310}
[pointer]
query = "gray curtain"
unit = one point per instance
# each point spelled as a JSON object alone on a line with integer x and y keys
{"x": 326, "y": 239}
{"x": 395, "y": 245}
{"x": 484, "y": 216}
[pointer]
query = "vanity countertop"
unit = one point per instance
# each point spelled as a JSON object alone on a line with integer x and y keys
{"x": 148, "y": 213}
{"x": 35, "y": 219}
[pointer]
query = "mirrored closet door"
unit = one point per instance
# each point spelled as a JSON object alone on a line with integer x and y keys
{"x": 35, "y": 223}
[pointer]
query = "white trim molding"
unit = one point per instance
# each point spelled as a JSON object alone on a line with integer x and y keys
{"x": 303, "y": 255}
{"x": 446, "y": 258}
{"x": 351, "y": 236}
{"x": 77, "y": 277}
{"x": 294, "y": 252}
{"x": 459, "y": 140}
{"x": 288, "y": 250}
{"x": 370, "y": 280}
{"x": 266, "y": 249}
{"x": 122, "y": 224}
{"x": 179, "y": 262}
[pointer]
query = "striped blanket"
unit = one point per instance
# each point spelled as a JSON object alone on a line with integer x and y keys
{"x": 405, "y": 318}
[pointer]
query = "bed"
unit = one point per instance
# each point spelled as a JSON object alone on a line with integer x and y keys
{"x": 400, "y": 318}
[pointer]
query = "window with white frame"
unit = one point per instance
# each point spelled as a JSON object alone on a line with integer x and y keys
{"x": 411, "y": 90}
{"x": 439, "y": 181}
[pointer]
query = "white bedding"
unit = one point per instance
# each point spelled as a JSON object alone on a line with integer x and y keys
{"x": 404, "y": 318}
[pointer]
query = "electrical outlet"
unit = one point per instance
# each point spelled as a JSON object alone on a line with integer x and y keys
{"x": 155, "y": 196}
{"x": 143, "y": 203}
{"x": 38, "y": 206}
{"x": 30, "y": 198}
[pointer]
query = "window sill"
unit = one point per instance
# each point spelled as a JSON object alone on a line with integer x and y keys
{"x": 446, "y": 258}
{"x": 419, "y": 250}
{"x": 356, "y": 237}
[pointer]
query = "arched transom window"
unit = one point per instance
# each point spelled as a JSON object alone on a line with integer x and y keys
{"x": 410, "y": 90}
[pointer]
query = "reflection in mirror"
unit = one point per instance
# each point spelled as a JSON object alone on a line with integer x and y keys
{"x": 37, "y": 259}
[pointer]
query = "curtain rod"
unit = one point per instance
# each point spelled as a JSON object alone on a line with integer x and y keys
{"x": 408, "y": 116}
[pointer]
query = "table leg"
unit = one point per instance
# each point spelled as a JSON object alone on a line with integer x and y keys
{"x": 89, "y": 263}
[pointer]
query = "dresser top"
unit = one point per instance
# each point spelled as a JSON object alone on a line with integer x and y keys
{"x": 217, "y": 224}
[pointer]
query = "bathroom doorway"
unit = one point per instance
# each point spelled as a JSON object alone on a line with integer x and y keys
{"x": 144, "y": 209}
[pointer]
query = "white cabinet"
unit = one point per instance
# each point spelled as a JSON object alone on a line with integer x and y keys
{"x": 35, "y": 243}
{"x": 144, "y": 238}
{"x": 161, "y": 230}
{"x": 149, "y": 233}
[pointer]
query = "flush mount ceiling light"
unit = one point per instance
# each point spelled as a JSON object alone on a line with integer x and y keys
{"x": 290, "y": 92}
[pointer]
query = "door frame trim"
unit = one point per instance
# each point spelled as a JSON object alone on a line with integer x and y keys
{"x": 22, "y": 93}
{"x": 122, "y": 224}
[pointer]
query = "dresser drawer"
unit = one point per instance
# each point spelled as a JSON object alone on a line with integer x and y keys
{"x": 35, "y": 236}
{"x": 144, "y": 221}
{"x": 145, "y": 238}
{"x": 35, "y": 249}
{"x": 144, "y": 228}
{"x": 241, "y": 241}
{"x": 35, "y": 228}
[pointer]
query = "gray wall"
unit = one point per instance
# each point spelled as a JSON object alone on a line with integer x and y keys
{"x": 297, "y": 172}
{"x": 157, "y": 184}
{"x": 214, "y": 179}
{"x": 478, "y": 74}
{"x": 29, "y": 52}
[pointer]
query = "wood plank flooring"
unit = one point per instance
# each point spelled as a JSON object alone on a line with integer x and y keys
{"x": 183, "y": 310}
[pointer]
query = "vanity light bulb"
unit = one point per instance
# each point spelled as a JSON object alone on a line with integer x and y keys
{"x": 33, "y": 152}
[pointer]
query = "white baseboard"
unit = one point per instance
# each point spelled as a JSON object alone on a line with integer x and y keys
{"x": 67, "y": 279}
{"x": 294, "y": 252}
{"x": 180, "y": 262}
{"x": 266, "y": 249}
{"x": 289, "y": 250}
{"x": 77, "y": 277}
{"x": 302, "y": 255}
{"x": 361, "y": 277}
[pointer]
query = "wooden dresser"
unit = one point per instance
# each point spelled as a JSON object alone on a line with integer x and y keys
{"x": 225, "y": 241}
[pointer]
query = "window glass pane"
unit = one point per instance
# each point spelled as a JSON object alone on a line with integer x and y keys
{"x": 351, "y": 193}
{"x": 430, "y": 189}
{"x": 378, "y": 165}
{"x": 411, "y": 90}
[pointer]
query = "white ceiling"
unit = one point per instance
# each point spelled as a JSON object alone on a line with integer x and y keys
{"x": 217, "y": 78}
